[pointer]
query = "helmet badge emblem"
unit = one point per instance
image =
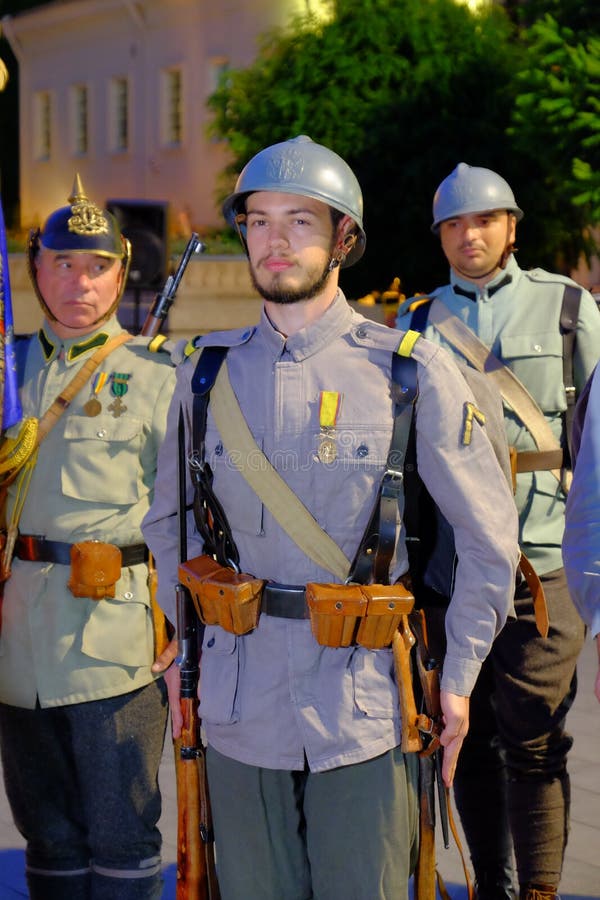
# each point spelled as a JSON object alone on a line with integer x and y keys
{"x": 285, "y": 166}
{"x": 87, "y": 218}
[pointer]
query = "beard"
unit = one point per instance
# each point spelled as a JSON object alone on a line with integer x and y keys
{"x": 312, "y": 285}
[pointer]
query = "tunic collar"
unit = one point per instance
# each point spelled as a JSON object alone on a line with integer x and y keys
{"x": 74, "y": 349}
{"x": 309, "y": 340}
{"x": 466, "y": 288}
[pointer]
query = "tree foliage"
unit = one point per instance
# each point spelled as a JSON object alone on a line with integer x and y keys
{"x": 405, "y": 90}
{"x": 557, "y": 121}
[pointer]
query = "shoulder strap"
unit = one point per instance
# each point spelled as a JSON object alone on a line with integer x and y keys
{"x": 513, "y": 391}
{"x": 60, "y": 404}
{"x": 209, "y": 515}
{"x": 569, "y": 314}
{"x": 377, "y": 545}
{"x": 266, "y": 482}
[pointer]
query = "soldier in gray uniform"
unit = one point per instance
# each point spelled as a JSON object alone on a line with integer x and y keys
{"x": 82, "y": 716}
{"x": 312, "y": 795}
{"x": 515, "y": 756}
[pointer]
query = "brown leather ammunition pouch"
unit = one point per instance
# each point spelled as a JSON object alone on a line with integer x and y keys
{"x": 95, "y": 569}
{"x": 220, "y": 595}
{"x": 365, "y": 614}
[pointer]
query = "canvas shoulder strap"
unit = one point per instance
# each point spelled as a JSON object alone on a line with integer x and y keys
{"x": 265, "y": 481}
{"x": 513, "y": 391}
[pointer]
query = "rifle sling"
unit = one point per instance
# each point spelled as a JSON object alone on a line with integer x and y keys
{"x": 512, "y": 390}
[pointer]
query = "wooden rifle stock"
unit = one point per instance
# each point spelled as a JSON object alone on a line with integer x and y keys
{"x": 164, "y": 300}
{"x": 196, "y": 872}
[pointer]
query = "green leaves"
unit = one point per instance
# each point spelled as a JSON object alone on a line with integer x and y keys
{"x": 404, "y": 90}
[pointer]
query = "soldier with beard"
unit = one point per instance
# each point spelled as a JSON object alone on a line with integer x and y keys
{"x": 312, "y": 792}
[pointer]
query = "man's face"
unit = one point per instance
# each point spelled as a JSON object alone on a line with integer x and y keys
{"x": 290, "y": 243}
{"x": 474, "y": 244}
{"x": 78, "y": 288}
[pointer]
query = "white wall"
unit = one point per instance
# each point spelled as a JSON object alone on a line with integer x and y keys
{"x": 90, "y": 42}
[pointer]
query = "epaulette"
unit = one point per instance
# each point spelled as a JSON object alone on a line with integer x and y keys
{"x": 231, "y": 338}
{"x": 413, "y": 303}
{"x": 544, "y": 277}
{"x": 160, "y": 344}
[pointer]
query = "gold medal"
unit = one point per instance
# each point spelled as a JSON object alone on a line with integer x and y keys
{"x": 327, "y": 451}
{"x": 329, "y": 407}
{"x": 93, "y": 407}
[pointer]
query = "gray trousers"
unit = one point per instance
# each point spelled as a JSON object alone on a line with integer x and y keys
{"x": 351, "y": 832}
{"x": 82, "y": 782}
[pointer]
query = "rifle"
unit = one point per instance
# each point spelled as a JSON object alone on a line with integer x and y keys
{"x": 164, "y": 300}
{"x": 430, "y": 764}
{"x": 196, "y": 873}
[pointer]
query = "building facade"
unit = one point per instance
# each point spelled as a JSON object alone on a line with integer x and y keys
{"x": 116, "y": 90}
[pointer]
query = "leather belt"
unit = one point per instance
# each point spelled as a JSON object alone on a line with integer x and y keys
{"x": 35, "y": 548}
{"x": 285, "y": 601}
{"x": 539, "y": 460}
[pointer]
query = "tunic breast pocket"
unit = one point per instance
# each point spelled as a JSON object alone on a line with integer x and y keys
{"x": 346, "y": 483}
{"x": 101, "y": 459}
{"x": 537, "y": 361}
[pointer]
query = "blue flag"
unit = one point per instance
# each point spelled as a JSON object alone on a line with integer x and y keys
{"x": 10, "y": 406}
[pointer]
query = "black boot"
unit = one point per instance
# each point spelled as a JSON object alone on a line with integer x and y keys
{"x": 495, "y": 885}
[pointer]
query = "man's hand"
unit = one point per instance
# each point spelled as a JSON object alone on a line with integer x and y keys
{"x": 455, "y": 715}
{"x": 165, "y": 663}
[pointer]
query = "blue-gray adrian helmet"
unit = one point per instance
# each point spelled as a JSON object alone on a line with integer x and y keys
{"x": 472, "y": 189}
{"x": 81, "y": 227}
{"x": 300, "y": 166}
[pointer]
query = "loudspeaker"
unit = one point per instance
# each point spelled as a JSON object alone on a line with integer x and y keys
{"x": 145, "y": 224}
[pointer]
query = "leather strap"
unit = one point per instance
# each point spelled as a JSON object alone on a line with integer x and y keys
{"x": 535, "y": 461}
{"x": 482, "y": 358}
{"x": 35, "y": 548}
{"x": 63, "y": 401}
{"x": 536, "y": 589}
{"x": 285, "y": 601}
{"x": 45, "y": 426}
{"x": 277, "y": 496}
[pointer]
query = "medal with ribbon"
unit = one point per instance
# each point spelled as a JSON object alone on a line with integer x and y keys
{"x": 329, "y": 407}
{"x": 119, "y": 385}
{"x": 93, "y": 407}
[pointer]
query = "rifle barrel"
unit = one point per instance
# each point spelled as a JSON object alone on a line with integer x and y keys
{"x": 164, "y": 300}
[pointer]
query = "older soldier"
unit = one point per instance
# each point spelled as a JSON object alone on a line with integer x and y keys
{"x": 537, "y": 336}
{"x": 82, "y": 716}
{"x": 311, "y": 792}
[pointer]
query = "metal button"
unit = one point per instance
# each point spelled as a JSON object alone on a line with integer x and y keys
{"x": 361, "y": 332}
{"x": 219, "y": 449}
{"x": 128, "y": 595}
{"x": 101, "y": 433}
{"x": 362, "y": 451}
{"x": 537, "y": 348}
